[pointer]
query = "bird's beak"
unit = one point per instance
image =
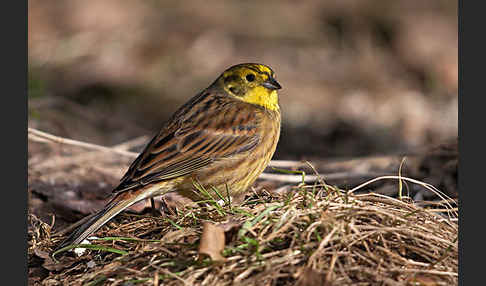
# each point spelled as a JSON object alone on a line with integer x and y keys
{"x": 271, "y": 83}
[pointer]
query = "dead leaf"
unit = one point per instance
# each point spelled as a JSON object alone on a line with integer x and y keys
{"x": 37, "y": 274}
{"x": 212, "y": 241}
{"x": 41, "y": 253}
{"x": 63, "y": 263}
{"x": 176, "y": 235}
{"x": 422, "y": 280}
{"x": 230, "y": 225}
{"x": 51, "y": 282}
{"x": 52, "y": 265}
{"x": 310, "y": 277}
{"x": 230, "y": 229}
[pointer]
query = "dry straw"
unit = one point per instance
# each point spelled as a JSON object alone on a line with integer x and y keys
{"x": 311, "y": 233}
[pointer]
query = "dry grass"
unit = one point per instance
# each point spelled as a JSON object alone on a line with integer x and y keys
{"x": 309, "y": 234}
{"x": 312, "y": 232}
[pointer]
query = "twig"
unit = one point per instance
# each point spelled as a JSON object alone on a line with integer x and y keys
{"x": 286, "y": 164}
{"x": 131, "y": 143}
{"x": 425, "y": 185}
{"x": 435, "y": 272}
{"x": 42, "y": 135}
{"x": 286, "y": 178}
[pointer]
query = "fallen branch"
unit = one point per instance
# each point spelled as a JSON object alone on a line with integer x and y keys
{"x": 44, "y": 137}
{"x": 315, "y": 178}
{"x": 40, "y": 136}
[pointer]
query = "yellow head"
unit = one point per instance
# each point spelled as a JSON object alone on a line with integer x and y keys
{"x": 252, "y": 83}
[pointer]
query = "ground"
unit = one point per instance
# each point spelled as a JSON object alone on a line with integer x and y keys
{"x": 369, "y": 90}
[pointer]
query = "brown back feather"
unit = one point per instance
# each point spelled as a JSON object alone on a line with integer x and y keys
{"x": 207, "y": 128}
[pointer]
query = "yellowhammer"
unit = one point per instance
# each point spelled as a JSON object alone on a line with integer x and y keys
{"x": 223, "y": 137}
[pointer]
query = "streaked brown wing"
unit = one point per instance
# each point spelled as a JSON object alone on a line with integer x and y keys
{"x": 209, "y": 129}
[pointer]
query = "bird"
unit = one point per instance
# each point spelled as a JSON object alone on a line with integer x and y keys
{"x": 223, "y": 138}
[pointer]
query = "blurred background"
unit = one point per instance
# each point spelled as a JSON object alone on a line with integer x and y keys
{"x": 364, "y": 83}
{"x": 359, "y": 77}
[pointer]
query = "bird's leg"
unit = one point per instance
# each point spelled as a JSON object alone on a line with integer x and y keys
{"x": 165, "y": 209}
{"x": 152, "y": 203}
{"x": 154, "y": 210}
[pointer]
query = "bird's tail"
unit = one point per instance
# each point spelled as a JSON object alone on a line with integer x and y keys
{"x": 114, "y": 207}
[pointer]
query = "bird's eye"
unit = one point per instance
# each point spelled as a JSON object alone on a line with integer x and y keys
{"x": 250, "y": 77}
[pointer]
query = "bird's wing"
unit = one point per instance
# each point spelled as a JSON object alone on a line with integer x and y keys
{"x": 207, "y": 131}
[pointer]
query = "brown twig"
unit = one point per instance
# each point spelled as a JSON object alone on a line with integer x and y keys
{"x": 40, "y": 136}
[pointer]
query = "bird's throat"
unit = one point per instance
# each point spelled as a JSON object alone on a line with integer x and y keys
{"x": 263, "y": 97}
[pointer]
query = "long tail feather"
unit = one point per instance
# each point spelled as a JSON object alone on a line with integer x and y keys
{"x": 95, "y": 222}
{"x": 114, "y": 207}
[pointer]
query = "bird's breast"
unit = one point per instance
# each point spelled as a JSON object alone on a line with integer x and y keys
{"x": 236, "y": 173}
